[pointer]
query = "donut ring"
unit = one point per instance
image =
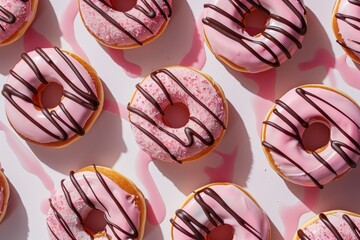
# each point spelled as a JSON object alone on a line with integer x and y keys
{"x": 79, "y": 107}
{"x": 227, "y": 38}
{"x": 293, "y": 113}
{"x": 99, "y": 188}
{"x": 15, "y": 18}
{"x": 220, "y": 204}
{"x": 4, "y": 195}
{"x": 346, "y": 26}
{"x": 336, "y": 224}
{"x": 192, "y": 89}
{"x": 133, "y": 28}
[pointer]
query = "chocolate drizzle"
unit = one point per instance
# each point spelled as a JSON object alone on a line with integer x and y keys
{"x": 350, "y": 20}
{"x": 88, "y": 99}
{"x": 149, "y": 12}
{"x": 114, "y": 227}
{"x": 189, "y": 132}
{"x": 324, "y": 219}
{"x": 195, "y": 227}
{"x": 9, "y": 17}
{"x": 337, "y": 146}
{"x": 242, "y": 10}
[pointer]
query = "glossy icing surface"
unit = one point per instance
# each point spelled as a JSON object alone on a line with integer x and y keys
{"x": 122, "y": 29}
{"x": 347, "y": 18}
{"x": 220, "y": 204}
{"x": 226, "y": 34}
{"x": 335, "y": 226}
{"x": 40, "y": 124}
{"x": 165, "y": 87}
{"x": 293, "y": 113}
{"x": 13, "y": 15}
{"x": 83, "y": 192}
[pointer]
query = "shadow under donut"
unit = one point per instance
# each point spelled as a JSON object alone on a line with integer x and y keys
{"x": 230, "y": 162}
{"x": 102, "y": 145}
{"x": 162, "y": 51}
{"x": 15, "y": 224}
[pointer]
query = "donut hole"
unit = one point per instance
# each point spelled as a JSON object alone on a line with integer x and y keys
{"x": 95, "y": 222}
{"x": 316, "y": 137}
{"x": 255, "y": 22}
{"x": 123, "y": 5}
{"x": 49, "y": 95}
{"x": 176, "y": 115}
{"x": 221, "y": 232}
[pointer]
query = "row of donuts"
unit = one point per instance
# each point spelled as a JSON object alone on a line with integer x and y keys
{"x": 83, "y": 96}
{"x": 224, "y": 27}
{"x": 82, "y": 100}
{"x": 202, "y": 214}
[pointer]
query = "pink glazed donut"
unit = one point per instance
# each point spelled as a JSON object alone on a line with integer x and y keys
{"x": 102, "y": 189}
{"x": 226, "y": 36}
{"x": 293, "y": 113}
{"x": 331, "y": 225}
{"x": 15, "y": 17}
{"x": 193, "y": 90}
{"x": 133, "y": 28}
{"x": 346, "y": 26}
{"x": 216, "y": 205}
{"x": 79, "y": 107}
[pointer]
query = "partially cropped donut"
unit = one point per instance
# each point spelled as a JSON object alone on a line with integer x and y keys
{"x": 216, "y": 205}
{"x": 226, "y": 36}
{"x": 79, "y": 107}
{"x": 4, "y": 195}
{"x": 331, "y": 225}
{"x": 133, "y": 28}
{"x": 195, "y": 91}
{"x": 287, "y": 121}
{"x": 15, "y": 18}
{"x": 97, "y": 188}
{"x": 346, "y": 26}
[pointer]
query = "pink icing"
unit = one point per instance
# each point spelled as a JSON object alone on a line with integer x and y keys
{"x": 347, "y": 125}
{"x": 22, "y": 124}
{"x": 21, "y": 10}
{"x": 111, "y": 35}
{"x": 239, "y": 54}
{"x": 319, "y": 231}
{"x": 349, "y": 30}
{"x": 102, "y": 201}
{"x": 202, "y": 89}
{"x": 239, "y": 202}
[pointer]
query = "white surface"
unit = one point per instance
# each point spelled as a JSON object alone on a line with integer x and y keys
{"x": 116, "y": 146}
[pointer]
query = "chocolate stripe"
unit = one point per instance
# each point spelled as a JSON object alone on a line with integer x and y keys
{"x": 242, "y": 9}
{"x": 213, "y": 217}
{"x": 189, "y": 132}
{"x": 86, "y": 98}
{"x": 114, "y": 227}
{"x": 336, "y": 145}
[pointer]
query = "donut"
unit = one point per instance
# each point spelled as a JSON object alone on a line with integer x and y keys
{"x": 226, "y": 36}
{"x": 133, "y": 28}
{"x": 97, "y": 188}
{"x": 346, "y": 26}
{"x": 292, "y": 114}
{"x": 4, "y": 195}
{"x": 331, "y": 225}
{"x": 80, "y": 104}
{"x": 193, "y": 90}
{"x": 219, "y": 204}
{"x": 15, "y": 18}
